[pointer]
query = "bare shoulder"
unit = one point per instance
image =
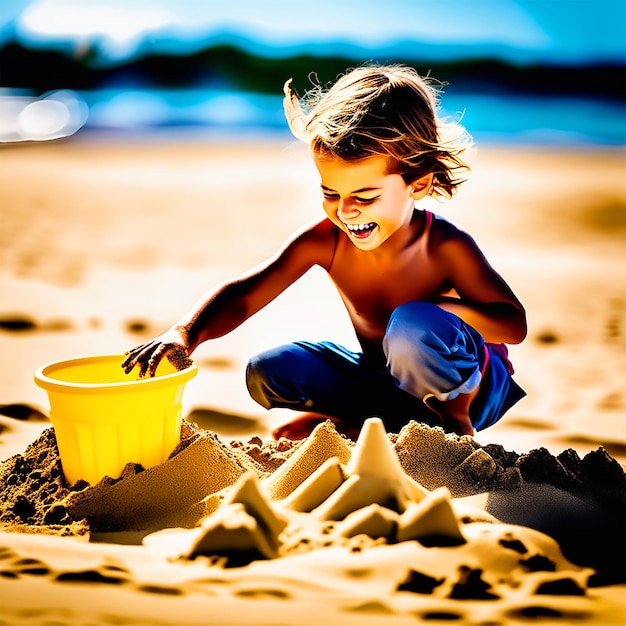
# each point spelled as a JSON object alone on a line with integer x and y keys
{"x": 321, "y": 229}
{"x": 314, "y": 241}
{"x": 446, "y": 237}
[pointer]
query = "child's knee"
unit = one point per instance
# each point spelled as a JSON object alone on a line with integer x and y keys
{"x": 430, "y": 350}
{"x": 411, "y": 325}
{"x": 273, "y": 378}
{"x": 258, "y": 380}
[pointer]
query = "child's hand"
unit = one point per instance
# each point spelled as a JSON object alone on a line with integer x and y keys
{"x": 148, "y": 355}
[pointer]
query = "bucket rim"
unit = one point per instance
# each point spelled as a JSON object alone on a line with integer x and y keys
{"x": 43, "y": 380}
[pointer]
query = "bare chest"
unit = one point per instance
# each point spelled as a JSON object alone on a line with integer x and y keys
{"x": 372, "y": 289}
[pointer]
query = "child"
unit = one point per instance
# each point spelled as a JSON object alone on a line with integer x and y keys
{"x": 430, "y": 313}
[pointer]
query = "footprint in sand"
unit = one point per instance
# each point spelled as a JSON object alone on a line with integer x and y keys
{"x": 219, "y": 362}
{"x": 25, "y": 567}
{"x": 91, "y": 576}
{"x": 23, "y": 412}
{"x": 162, "y": 590}
{"x": 25, "y": 324}
{"x": 18, "y": 323}
{"x": 138, "y": 327}
{"x": 547, "y": 337}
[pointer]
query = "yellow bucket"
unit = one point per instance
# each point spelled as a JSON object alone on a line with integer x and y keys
{"x": 104, "y": 418}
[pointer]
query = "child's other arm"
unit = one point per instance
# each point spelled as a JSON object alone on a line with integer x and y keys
{"x": 229, "y": 304}
{"x": 485, "y": 302}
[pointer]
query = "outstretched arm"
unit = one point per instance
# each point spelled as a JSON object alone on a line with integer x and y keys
{"x": 229, "y": 304}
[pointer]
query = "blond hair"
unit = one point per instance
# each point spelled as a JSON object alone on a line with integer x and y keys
{"x": 388, "y": 111}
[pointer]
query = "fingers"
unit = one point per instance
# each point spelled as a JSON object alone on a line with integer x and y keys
{"x": 148, "y": 356}
{"x": 145, "y": 356}
{"x": 131, "y": 359}
{"x": 153, "y": 361}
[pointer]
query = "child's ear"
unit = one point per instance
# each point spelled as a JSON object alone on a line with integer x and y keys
{"x": 422, "y": 186}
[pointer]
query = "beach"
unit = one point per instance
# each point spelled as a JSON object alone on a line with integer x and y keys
{"x": 105, "y": 240}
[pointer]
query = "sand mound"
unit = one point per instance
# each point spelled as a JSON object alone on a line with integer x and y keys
{"x": 328, "y": 477}
{"x": 169, "y": 494}
{"x": 32, "y": 487}
{"x": 324, "y": 443}
{"x": 360, "y": 538}
{"x": 436, "y": 459}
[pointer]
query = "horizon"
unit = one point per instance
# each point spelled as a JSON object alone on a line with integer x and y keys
{"x": 522, "y": 70}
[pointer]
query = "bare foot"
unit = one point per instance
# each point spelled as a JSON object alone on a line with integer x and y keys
{"x": 303, "y": 424}
{"x": 454, "y": 414}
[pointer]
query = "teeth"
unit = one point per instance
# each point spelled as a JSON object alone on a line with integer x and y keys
{"x": 358, "y": 227}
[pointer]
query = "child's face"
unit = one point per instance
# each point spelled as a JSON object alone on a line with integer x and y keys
{"x": 363, "y": 200}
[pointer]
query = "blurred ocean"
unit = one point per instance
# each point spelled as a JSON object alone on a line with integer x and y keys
{"x": 519, "y": 71}
{"x": 501, "y": 118}
{"x": 490, "y": 118}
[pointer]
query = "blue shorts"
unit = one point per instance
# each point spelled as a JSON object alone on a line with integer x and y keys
{"x": 425, "y": 352}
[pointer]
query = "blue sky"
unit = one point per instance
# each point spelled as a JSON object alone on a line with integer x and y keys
{"x": 524, "y": 30}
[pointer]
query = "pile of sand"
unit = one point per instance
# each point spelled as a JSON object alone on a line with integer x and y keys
{"x": 338, "y": 531}
{"x": 437, "y": 459}
{"x": 534, "y": 489}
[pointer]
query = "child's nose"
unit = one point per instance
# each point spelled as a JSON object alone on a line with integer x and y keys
{"x": 347, "y": 209}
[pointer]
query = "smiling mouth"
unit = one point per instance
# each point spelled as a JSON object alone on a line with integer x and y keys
{"x": 361, "y": 231}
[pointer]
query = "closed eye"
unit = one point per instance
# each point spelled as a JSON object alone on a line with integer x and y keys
{"x": 366, "y": 200}
{"x": 335, "y": 196}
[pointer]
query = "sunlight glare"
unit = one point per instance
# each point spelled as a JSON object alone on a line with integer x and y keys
{"x": 43, "y": 118}
{"x": 119, "y": 24}
{"x": 53, "y": 115}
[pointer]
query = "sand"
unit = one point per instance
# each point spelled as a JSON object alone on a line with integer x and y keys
{"x": 362, "y": 537}
{"x": 104, "y": 243}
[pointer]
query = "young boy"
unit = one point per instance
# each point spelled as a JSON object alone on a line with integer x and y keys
{"x": 430, "y": 313}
